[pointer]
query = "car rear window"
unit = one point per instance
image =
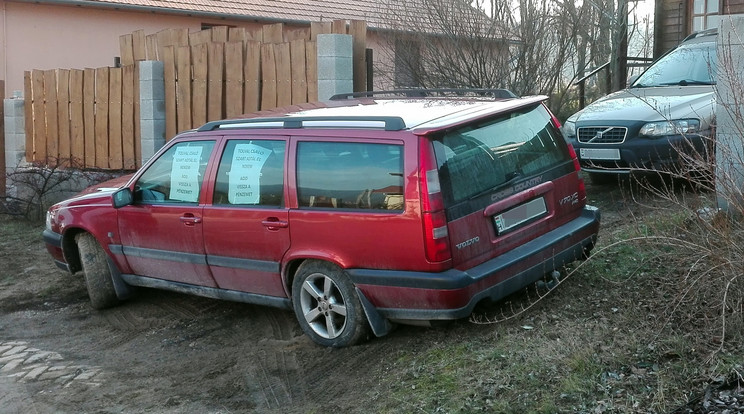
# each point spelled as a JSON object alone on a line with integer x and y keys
{"x": 482, "y": 157}
{"x": 350, "y": 175}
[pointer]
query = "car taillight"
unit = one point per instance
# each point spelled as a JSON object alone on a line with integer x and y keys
{"x": 577, "y": 167}
{"x": 555, "y": 120}
{"x": 436, "y": 237}
{"x": 574, "y": 157}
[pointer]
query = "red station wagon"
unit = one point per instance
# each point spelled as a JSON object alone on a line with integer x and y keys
{"x": 357, "y": 213}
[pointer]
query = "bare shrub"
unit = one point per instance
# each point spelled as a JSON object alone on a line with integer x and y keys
{"x": 33, "y": 187}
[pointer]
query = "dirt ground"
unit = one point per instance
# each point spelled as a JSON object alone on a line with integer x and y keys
{"x": 164, "y": 352}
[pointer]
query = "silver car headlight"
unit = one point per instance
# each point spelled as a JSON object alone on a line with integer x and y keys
{"x": 675, "y": 127}
{"x": 569, "y": 129}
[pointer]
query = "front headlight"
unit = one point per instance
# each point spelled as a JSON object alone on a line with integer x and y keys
{"x": 569, "y": 129}
{"x": 676, "y": 127}
{"x": 49, "y": 220}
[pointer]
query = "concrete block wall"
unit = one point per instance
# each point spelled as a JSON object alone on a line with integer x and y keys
{"x": 152, "y": 108}
{"x": 335, "y": 65}
{"x": 730, "y": 113}
{"x": 15, "y": 138}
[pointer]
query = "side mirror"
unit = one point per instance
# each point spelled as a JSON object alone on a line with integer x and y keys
{"x": 122, "y": 197}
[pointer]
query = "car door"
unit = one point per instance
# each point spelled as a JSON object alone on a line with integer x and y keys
{"x": 162, "y": 230}
{"x": 246, "y": 226}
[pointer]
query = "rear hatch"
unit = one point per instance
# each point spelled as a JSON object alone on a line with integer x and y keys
{"x": 505, "y": 180}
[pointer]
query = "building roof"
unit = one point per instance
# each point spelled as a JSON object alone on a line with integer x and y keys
{"x": 277, "y": 10}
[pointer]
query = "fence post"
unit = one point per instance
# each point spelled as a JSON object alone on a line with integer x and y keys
{"x": 335, "y": 65}
{"x": 152, "y": 107}
{"x": 730, "y": 114}
{"x": 15, "y": 138}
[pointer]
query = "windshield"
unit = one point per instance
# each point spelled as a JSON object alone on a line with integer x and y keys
{"x": 691, "y": 64}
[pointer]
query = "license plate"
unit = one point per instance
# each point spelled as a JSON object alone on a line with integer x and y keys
{"x": 522, "y": 213}
{"x": 600, "y": 153}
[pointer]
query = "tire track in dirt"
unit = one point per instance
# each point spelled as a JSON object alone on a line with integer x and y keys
{"x": 21, "y": 362}
{"x": 278, "y": 380}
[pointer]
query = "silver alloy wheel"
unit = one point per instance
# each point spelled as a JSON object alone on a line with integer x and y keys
{"x": 323, "y": 306}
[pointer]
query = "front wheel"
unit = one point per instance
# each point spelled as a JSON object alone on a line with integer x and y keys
{"x": 97, "y": 273}
{"x": 327, "y": 305}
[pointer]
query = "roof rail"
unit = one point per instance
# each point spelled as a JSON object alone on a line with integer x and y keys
{"x": 422, "y": 92}
{"x": 388, "y": 123}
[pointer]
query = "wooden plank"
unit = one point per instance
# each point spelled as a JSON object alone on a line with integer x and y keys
{"x": 311, "y": 61}
{"x": 180, "y": 36}
{"x": 234, "y": 79}
{"x": 254, "y": 34}
{"x": 137, "y": 123}
{"x": 358, "y": 31}
{"x": 236, "y": 34}
{"x": 201, "y": 37}
{"x": 40, "y": 133}
{"x": 252, "y": 77}
{"x": 273, "y": 33}
{"x": 151, "y": 45}
{"x": 299, "y": 71}
{"x": 317, "y": 28}
{"x": 268, "y": 77}
{"x": 215, "y": 86}
{"x": 219, "y": 34}
{"x": 129, "y": 161}
{"x": 89, "y": 116}
{"x": 115, "y": 154}
{"x": 199, "y": 57}
{"x": 164, "y": 38}
{"x": 283, "y": 74}
{"x": 28, "y": 113}
{"x": 139, "y": 45}
{"x": 63, "y": 116}
{"x": 169, "y": 75}
{"x": 296, "y": 34}
{"x": 52, "y": 118}
{"x": 77, "y": 128}
{"x": 338, "y": 27}
{"x": 126, "y": 50}
{"x": 102, "y": 113}
{"x": 183, "y": 88}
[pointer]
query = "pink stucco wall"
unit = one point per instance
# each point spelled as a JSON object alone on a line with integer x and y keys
{"x": 36, "y": 36}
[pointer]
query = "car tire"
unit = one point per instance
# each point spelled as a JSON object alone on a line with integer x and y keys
{"x": 97, "y": 273}
{"x": 327, "y": 306}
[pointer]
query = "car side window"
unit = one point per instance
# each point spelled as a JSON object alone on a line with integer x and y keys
{"x": 175, "y": 177}
{"x": 251, "y": 173}
{"x": 350, "y": 175}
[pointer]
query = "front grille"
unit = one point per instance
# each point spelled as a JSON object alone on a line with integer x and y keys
{"x": 602, "y": 135}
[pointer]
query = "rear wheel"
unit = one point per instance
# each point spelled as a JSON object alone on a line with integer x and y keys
{"x": 327, "y": 306}
{"x": 97, "y": 273}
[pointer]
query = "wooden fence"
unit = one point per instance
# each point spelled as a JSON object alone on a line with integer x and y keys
{"x": 85, "y": 118}
{"x": 90, "y": 118}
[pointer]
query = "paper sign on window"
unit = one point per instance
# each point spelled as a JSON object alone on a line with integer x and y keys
{"x": 245, "y": 172}
{"x": 185, "y": 174}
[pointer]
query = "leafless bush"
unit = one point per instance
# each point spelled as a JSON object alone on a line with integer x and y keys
{"x": 33, "y": 187}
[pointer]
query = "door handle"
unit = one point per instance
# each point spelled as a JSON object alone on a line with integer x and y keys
{"x": 189, "y": 219}
{"x": 273, "y": 223}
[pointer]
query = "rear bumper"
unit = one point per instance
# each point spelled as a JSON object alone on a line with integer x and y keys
{"x": 453, "y": 294}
